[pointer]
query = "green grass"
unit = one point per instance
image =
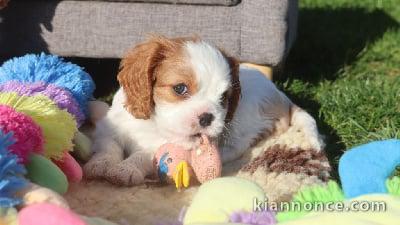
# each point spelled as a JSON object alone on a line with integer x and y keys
{"x": 345, "y": 70}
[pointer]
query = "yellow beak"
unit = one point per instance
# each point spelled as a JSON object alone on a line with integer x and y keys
{"x": 181, "y": 175}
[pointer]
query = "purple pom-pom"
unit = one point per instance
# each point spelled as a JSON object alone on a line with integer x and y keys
{"x": 253, "y": 218}
{"x": 60, "y": 96}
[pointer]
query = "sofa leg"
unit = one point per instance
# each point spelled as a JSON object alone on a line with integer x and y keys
{"x": 266, "y": 70}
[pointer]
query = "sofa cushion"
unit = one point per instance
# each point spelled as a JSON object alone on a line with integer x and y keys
{"x": 185, "y": 2}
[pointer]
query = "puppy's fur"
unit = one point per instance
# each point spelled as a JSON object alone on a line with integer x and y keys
{"x": 147, "y": 111}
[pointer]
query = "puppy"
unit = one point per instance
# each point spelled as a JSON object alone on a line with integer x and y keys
{"x": 175, "y": 90}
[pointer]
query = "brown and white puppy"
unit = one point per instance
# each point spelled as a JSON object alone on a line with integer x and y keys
{"x": 174, "y": 90}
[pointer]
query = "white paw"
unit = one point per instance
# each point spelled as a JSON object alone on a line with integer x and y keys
{"x": 125, "y": 174}
{"x": 96, "y": 167}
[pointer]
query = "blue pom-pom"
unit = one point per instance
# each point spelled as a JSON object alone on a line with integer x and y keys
{"x": 50, "y": 69}
{"x": 11, "y": 173}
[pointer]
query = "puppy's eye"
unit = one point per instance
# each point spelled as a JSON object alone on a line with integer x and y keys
{"x": 181, "y": 89}
{"x": 169, "y": 160}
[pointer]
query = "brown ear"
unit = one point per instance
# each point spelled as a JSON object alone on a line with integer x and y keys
{"x": 136, "y": 76}
{"x": 234, "y": 97}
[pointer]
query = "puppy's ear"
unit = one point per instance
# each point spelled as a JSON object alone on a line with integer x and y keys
{"x": 234, "y": 97}
{"x": 136, "y": 77}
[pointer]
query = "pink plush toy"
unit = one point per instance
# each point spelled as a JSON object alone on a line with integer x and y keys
{"x": 183, "y": 166}
{"x": 70, "y": 167}
{"x": 48, "y": 214}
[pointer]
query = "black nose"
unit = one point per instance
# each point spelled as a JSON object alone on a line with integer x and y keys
{"x": 206, "y": 119}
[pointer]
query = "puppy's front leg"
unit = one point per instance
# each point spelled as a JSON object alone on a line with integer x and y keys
{"x": 107, "y": 154}
{"x": 132, "y": 170}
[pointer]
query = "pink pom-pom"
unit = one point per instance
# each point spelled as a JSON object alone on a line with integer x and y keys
{"x": 26, "y": 133}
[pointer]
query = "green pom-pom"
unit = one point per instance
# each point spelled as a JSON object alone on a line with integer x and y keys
{"x": 330, "y": 192}
{"x": 393, "y": 185}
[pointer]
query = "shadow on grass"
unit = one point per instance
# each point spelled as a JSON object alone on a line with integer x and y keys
{"x": 328, "y": 40}
{"x": 21, "y": 27}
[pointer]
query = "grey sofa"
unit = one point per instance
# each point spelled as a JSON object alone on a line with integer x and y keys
{"x": 257, "y": 31}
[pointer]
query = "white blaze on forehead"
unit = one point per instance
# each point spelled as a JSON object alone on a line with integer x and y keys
{"x": 210, "y": 67}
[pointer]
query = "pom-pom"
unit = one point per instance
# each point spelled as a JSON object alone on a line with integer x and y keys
{"x": 52, "y": 70}
{"x": 26, "y": 133}
{"x": 11, "y": 173}
{"x": 61, "y": 97}
{"x": 318, "y": 193}
{"x": 58, "y": 126}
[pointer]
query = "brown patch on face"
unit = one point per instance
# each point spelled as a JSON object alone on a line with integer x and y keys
{"x": 173, "y": 71}
{"x": 291, "y": 160}
{"x": 232, "y": 95}
{"x": 143, "y": 65}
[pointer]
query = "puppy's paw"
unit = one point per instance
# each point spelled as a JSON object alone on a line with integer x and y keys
{"x": 125, "y": 174}
{"x": 96, "y": 167}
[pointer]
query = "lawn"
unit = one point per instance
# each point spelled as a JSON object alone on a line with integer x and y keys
{"x": 345, "y": 70}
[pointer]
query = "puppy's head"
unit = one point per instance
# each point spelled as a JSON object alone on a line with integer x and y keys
{"x": 185, "y": 85}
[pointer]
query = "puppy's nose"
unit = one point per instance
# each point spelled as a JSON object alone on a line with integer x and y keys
{"x": 206, "y": 119}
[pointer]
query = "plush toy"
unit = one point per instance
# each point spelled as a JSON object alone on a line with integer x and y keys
{"x": 377, "y": 161}
{"x": 228, "y": 200}
{"x": 70, "y": 167}
{"x": 173, "y": 162}
{"x": 365, "y": 175}
{"x": 232, "y": 200}
{"x": 44, "y": 172}
{"x": 33, "y": 194}
{"x": 42, "y": 101}
{"x": 49, "y": 214}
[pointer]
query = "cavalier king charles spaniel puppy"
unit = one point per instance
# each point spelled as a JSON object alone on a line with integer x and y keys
{"x": 175, "y": 91}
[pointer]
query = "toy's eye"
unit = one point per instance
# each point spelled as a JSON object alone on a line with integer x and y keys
{"x": 169, "y": 160}
{"x": 181, "y": 89}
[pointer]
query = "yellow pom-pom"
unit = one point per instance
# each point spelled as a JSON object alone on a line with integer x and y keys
{"x": 58, "y": 126}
